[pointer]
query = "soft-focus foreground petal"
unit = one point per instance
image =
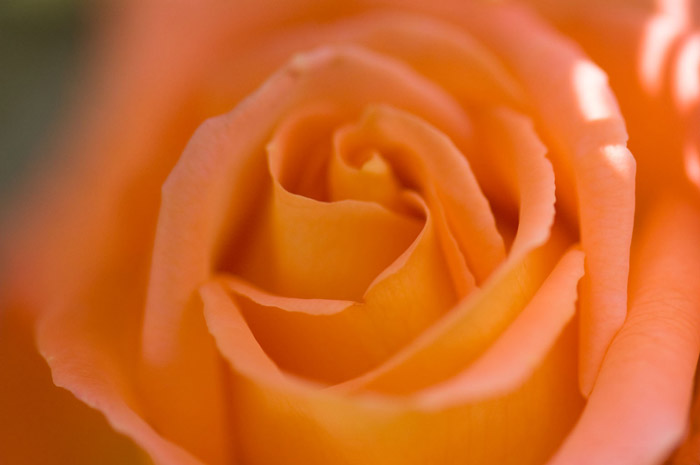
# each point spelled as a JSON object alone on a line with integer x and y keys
{"x": 43, "y": 424}
{"x": 637, "y": 412}
{"x": 439, "y": 50}
{"x": 93, "y": 211}
{"x": 90, "y": 347}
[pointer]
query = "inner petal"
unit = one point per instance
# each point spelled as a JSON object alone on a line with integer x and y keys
{"x": 334, "y": 340}
{"x": 206, "y": 200}
{"x": 427, "y": 161}
{"x": 309, "y": 248}
{"x": 469, "y": 328}
{"x": 373, "y": 180}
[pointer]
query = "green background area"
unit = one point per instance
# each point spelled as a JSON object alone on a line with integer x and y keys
{"x": 40, "y": 47}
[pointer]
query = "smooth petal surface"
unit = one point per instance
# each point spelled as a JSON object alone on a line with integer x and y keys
{"x": 333, "y": 342}
{"x": 90, "y": 349}
{"x": 34, "y": 411}
{"x": 168, "y": 389}
{"x": 205, "y": 204}
{"x": 582, "y": 124}
{"x": 519, "y": 350}
{"x": 637, "y": 412}
{"x": 427, "y": 161}
{"x": 309, "y": 425}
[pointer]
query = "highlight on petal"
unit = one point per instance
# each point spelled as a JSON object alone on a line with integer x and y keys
{"x": 637, "y": 412}
{"x": 594, "y": 149}
{"x": 686, "y": 86}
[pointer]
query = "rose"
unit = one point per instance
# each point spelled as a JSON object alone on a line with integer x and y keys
{"x": 128, "y": 326}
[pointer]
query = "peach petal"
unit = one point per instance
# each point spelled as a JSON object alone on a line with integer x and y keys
{"x": 42, "y": 424}
{"x": 688, "y": 453}
{"x": 686, "y": 74}
{"x": 309, "y": 425}
{"x": 468, "y": 329}
{"x": 427, "y": 160}
{"x": 207, "y": 198}
{"x": 637, "y": 412}
{"x": 386, "y": 185}
{"x": 78, "y": 351}
{"x": 521, "y": 348}
{"x": 373, "y": 180}
{"x": 332, "y": 341}
{"x": 308, "y": 248}
{"x": 439, "y": 50}
{"x": 593, "y": 143}
{"x": 686, "y": 92}
{"x": 510, "y": 141}
{"x": 643, "y": 38}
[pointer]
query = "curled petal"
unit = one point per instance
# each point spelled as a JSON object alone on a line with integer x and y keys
{"x": 315, "y": 426}
{"x": 519, "y": 350}
{"x": 638, "y": 410}
{"x": 584, "y": 128}
{"x": 206, "y": 200}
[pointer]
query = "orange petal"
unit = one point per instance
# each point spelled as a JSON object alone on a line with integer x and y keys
{"x": 426, "y": 160}
{"x": 210, "y": 196}
{"x": 521, "y": 348}
{"x": 478, "y": 320}
{"x": 637, "y": 411}
{"x": 308, "y": 248}
{"x": 467, "y": 330}
{"x": 439, "y": 50}
{"x": 313, "y": 426}
{"x": 508, "y": 140}
{"x": 85, "y": 345}
{"x": 333, "y": 340}
{"x": 42, "y": 423}
{"x": 579, "y": 118}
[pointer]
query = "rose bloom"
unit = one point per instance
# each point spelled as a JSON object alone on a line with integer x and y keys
{"x": 364, "y": 232}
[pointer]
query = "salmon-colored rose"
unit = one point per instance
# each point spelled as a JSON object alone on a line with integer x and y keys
{"x": 406, "y": 239}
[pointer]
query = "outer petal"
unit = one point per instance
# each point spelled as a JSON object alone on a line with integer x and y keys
{"x": 637, "y": 412}
{"x": 41, "y": 423}
{"x": 584, "y": 127}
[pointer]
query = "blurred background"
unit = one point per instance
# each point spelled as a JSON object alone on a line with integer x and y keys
{"x": 40, "y": 52}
